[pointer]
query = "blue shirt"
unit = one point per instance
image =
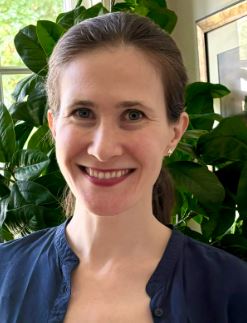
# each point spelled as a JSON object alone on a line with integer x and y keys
{"x": 193, "y": 282}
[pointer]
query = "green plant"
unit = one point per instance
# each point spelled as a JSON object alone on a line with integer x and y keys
{"x": 215, "y": 204}
{"x": 31, "y": 184}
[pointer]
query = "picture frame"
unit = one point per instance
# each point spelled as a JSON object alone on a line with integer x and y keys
{"x": 222, "y": 54}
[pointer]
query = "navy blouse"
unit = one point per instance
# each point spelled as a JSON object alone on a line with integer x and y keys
{"x": 193, "y": 282}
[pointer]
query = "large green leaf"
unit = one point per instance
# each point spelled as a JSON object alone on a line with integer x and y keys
{"x": 205, "y": 116}
{"x": 41, "y": 139}
{"x": 228, "y": 141}
{"x": 28, "y": 218}
{"x": 48, "y": 33}
{"x": 128, "y": 6}
{"x": 242, "y": 193}
{"x": 3, "y": 208}
{"x": 229, "y": 176}
{"x": 199, "y": 100}
{"x": 165, "y": 18}
{"x": 34, "y": 110}
{"x": 25, "y": 86}
{"x": 30, "y": 51}
{"x": 4, "y": 190}
{"x": 198, "y": 180}
{"x": 93, "y": 11}
{"x": 31, "y": 207}
{"x": 31, "y": 163}
{"x": 22, "y": 132}
{"x": 5, "y": 234}
{"x": 7, "y": 135}
{"x": 69, "y": 19}
{"x": 194, "y": 134}
{"x": 26, "y": 112}
{"x": 54, "y": 182}
{"x": 30, "y": 193}
{"x": 152, "y": 4}
{"x": 219, "y": 222}
{"x": 156, "y": 10}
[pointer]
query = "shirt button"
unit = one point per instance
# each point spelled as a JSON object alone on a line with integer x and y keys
{"x": 65, "y": 289}
{"x": 158, "y": 312}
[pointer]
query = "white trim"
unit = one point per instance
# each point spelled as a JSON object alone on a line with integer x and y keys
{"x": 13, "y": 70}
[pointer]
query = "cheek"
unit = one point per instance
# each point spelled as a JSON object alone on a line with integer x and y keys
{"x": 67, "y": 142}
{"x": 148, "y": 150}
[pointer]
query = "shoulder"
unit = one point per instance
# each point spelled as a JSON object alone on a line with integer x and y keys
{"x": 203, "y": 257}
{"x": 26, "y": 247}
{"x": 215, "y": 277}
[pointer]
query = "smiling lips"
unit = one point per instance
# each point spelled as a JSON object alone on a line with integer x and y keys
{"x": 106, "y": 177}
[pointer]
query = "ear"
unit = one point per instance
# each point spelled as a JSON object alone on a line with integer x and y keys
{"x": 51, "y": 123}
{"x": 177, "y": 131}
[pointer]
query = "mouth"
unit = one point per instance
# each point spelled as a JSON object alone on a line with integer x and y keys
{"x": 106, "y": 176}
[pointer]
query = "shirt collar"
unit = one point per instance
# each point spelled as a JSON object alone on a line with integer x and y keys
{"x": 158, "y": 283}
{"x": 162, "y": 275}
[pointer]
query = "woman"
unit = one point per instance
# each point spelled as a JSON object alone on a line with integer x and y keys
{"x": 115, "y": 89}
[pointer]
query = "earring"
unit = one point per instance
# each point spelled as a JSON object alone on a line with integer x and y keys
{"x": 170, "y": 151}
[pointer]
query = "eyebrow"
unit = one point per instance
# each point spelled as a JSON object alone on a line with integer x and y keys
{"x": 121, "y": 105}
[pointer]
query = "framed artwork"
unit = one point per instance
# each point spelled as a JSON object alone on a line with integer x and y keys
{"x": 222, "y": 51}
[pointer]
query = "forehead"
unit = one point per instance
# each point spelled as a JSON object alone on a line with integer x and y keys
{"x": 115, "y": 58}
{"x": 123, "y": 72}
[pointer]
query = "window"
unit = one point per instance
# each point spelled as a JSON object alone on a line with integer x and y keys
{"x": 15, "y": 15}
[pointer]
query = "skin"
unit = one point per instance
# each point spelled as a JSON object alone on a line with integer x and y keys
{"x": 101, "y": 92}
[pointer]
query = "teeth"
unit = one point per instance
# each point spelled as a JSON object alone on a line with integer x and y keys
{"x": 106, "y": 175}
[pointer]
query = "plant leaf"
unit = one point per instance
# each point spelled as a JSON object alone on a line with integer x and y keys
{"x": 198, "y": 180}
{"x": 34, "y": 110}
{"x": 31, "y": 163}
{"x": 123, "y": 6}
{"x": 54, "y": 182}
{"x": 48, "y": 34}
{"x": 22, "y": 132}
{"x": 3, "y": 209}
{"x": 23, "y": 87}
{"x": 7, "y": 135}
{"x": 199, "y": 100}
{"x": 228, "y": 141}
{"x": 209, "y": 116}
{"x": 69, "y": 18}
{"x": 41, "y": 139}
{"x": 28, "y": 218}
{"x": 93, "y": 11}
{"x": 30, "y": 193}
{"x": 165, "y": 18}
{"x": 4, "y": 190}
{"x": 242, "y": 193}
{"x": 30, "y": 51}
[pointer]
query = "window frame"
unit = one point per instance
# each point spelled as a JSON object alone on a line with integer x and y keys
{"x": 16, "y": 70}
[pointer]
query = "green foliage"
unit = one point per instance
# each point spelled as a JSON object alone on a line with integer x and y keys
{"x": 215, "y": 204}
{"x": 209, "y": 166}
{"x": 30, "y": 50}
{"x": 7, "y": 134}
{"x": 12, "y": 19}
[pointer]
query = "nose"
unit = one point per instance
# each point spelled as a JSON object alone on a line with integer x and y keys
{"x": 106, "y": 142}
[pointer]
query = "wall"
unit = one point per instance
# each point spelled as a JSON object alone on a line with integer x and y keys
{"x": 188, "y": 12}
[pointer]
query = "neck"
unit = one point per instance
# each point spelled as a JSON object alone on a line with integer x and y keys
{"x": 105, "y": 241}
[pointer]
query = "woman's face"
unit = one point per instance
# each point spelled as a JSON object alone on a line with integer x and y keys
{"x": 112, "y": 131}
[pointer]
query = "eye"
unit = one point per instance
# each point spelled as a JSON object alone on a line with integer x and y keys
{"x": 83, "y": 113}
{"x": 134, "y": 115}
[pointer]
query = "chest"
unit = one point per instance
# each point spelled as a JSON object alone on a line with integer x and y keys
{"x": 108, "y": 301}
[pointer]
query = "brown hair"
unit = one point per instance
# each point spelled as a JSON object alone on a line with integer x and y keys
{"x": 115, "y": 29}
